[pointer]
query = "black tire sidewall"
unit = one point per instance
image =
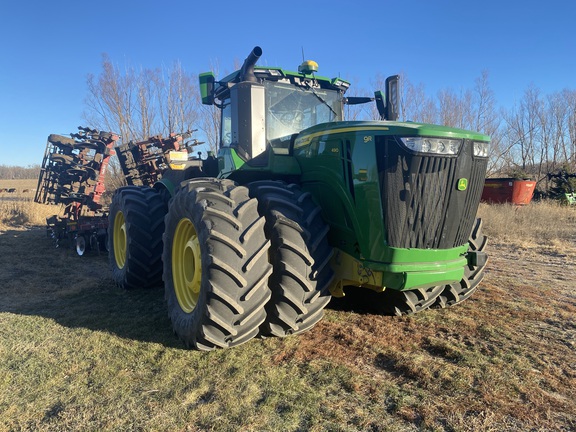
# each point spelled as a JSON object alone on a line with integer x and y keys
{"x": 142, "y": 268}
{"x": 227, "y": 312}
{"x": 287, "y": 222}
{"x": 188, "y": 324}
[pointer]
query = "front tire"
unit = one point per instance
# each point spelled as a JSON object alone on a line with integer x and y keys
{"x": 391, "y": 302}
{"x": 215, "y": 264}
{"x": 411, "y": 301}
{"x": 300, "y": 255}
{"x": 473, "y": 275}
{"x": 136, "y": 224}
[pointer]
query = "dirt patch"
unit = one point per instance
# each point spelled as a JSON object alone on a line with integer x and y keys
{"x": 507, "y": 355}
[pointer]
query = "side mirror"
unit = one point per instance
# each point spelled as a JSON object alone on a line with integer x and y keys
{"x": 380, "y": 104}
{"x": 207, "y": 80}
{"x": 392, "y": 97}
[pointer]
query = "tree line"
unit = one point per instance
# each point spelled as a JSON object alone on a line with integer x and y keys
{"x": 12, "y": 172}
{"x": 535, "y": 136}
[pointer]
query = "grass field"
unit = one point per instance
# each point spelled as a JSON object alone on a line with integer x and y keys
{"x": 18, "y": 208}
{"x": 80, "y": 354}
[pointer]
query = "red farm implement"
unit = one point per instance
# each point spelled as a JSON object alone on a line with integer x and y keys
{"x": 72, "y": 175}
{"x": 143, "y": 163}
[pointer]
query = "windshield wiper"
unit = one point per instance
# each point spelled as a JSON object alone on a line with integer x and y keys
{"x": 309, "y": 87}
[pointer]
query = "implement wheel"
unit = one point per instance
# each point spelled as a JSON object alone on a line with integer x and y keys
{"x": 458, "y": 292}
{"x": 136, "y": 224}
{"x": 61, "y": 141}
{"x": 215, "y": 264}
{"x": 300, "y": 255}
{"x": 80, "y": 244}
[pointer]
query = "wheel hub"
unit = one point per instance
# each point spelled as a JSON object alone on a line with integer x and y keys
{"x": 119, "y": 238}
{"x": 186, "y": 265}
{"x": 80, "y": 245}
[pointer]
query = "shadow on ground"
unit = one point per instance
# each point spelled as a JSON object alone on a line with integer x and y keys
{"x": 38, "y": 279}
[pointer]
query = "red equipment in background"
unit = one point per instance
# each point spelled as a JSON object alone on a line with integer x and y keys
{"x": 508, "y": 190}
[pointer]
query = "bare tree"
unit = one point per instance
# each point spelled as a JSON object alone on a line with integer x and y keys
{"x": 179, "y": 94}
{"x": 456, "y": 110}
{"x": 415, "y": 105}
{"x": 147, "y": 88}
{"x": 209, "y": 124}
{"x": 487, "y": 118}
{"x": 11, "y": 172}
{"x": 524, "y": 128}
{"x": 110, "y": 100}
{"x": 570, "y": 153}
{"x": 538, "y": 133}
{"x": 141, "y": 104}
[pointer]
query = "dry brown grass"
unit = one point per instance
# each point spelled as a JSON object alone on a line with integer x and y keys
{"x": 543, "y": 225}
{"x": 24, "y": 212}
{"x": 19, "y": 209}
{"x": 19, "y": 185}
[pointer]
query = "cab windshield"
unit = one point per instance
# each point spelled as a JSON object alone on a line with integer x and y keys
{"x": 290, "y": 109}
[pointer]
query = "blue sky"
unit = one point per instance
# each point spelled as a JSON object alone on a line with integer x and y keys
{"x": 49, "y": 47}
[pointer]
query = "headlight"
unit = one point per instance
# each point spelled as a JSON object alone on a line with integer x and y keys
{"x": 480, "y": 149}
{"x": 442, "y": 146}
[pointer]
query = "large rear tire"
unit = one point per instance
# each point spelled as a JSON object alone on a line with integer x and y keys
{"x": 300, "y": 255}
{"x": 136, "y": 224}
{"x": 215, "y": 264}
{"x": 473, "y": 275}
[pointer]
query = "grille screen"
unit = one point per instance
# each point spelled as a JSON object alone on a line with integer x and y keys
{"x": 422, "y": 206}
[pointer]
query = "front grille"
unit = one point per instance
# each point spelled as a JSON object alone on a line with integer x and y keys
{"x": 422, "y": 206}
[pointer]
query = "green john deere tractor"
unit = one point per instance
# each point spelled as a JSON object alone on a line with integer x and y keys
{"x": 299, "y": 206}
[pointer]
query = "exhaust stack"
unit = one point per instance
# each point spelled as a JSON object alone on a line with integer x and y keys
{"x": 247, "y": 71}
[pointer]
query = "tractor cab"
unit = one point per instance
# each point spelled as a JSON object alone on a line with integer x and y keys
{"x": 266, "y": 107}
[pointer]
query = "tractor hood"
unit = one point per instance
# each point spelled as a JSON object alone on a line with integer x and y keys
{"x": 407, "y": 129}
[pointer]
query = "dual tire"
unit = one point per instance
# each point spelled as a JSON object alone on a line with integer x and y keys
{"x": 236, "y": 261}
{"x": 473, "y": 274}
{"x": 300, "y": 256}
{"x": 239, "y": 262}
{"x": 215, "y": 264}
{"x": 136, "y": 224}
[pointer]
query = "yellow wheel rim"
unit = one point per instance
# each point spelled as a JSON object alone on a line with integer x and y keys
{"x": 119, "y": 238}
{"x": 186, "y": 265}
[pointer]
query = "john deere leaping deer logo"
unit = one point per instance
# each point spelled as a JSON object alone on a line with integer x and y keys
{"x": 462, "y": 184}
